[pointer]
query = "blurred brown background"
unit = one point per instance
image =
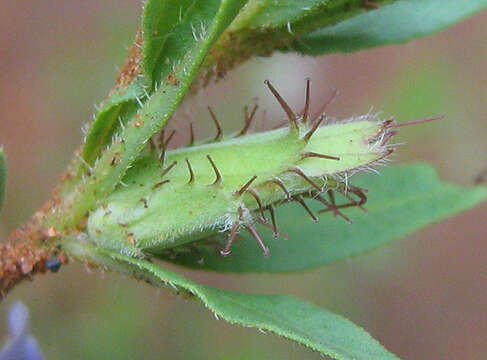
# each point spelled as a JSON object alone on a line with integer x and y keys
{"x": 424, "y": 297}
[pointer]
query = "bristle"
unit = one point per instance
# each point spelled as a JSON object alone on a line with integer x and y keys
{"x": 331, "y": 196}
{"x": 161, "y": 137}
{"x": 313, "y": 154}
{"x": 323, "y": 107}
{"x": 273, "y": 221}
{"x": 331, "y": 207}
{"x": 298, "y": 171}
{"x": 160, "y": 183}
{"x": 257, "y": 199}
{"x": 253, "y": 231}
{"x": 311, "y": 131}
{"x": 385, "y": 154}
{"x": 414, "y": 122}
{"x": 219, "y": 132}
{"x": 279, "y": 183}
{"x": 353, "y": 202}
{"x": 248, "y": 120}
{"x": 191, "y": 173}
{"x": 306, "y": 103}
{"x": 231, "y": 237}
{"x": 166, "y": 170}
{"x": 218, "y": 179}
{"x": 300, "y": 200}
{"x": 360, "y": 192}
{"x": 191, "y": 134}
{"x": 169, "y": 138}
{"x": 290, "y": 114}
{"x": 162, "y": 156}
{"x": 388, "y": 135}
{"x": 343, "y": 206}
{"x": 246, "y": 186}
{"x": 270, "y": 227}
{"x": 280, "y": 125}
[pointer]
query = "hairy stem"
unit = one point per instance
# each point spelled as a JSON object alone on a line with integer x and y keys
{"x": 27, "y": 251}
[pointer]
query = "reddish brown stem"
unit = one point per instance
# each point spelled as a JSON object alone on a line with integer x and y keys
{"x": 25, "y": 253}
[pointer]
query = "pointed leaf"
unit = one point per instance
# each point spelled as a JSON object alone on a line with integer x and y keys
{"x": 291, "y": 318}
{"x": 404, "y": 199}
{"x": 113, "y": 114}
{"x": 397, "y": 22}
{"x": 317, "y": 27}
{"x": 159, "y": 21}
{"x": 294, "y": 17}
{"x": 264, "y": 26}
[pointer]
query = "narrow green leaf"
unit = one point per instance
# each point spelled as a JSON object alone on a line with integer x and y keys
{"x": 317, "y": 27}
{"x": 404, "y": 199}
{"x": 297, "y": 320}
{"x": 114, "y": 113}
{"x": 297, "y": 15}
{"x": 264, "y": 26}
{"x": 291, "y": 318}
{"x": 397, "y": 22}
{"x": 3, "y": 175}
{"x": 158, "y": 23}
{"x": 178, "y": 34}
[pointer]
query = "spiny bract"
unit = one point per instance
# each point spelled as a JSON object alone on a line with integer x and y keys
{"x": 180, "y": 196}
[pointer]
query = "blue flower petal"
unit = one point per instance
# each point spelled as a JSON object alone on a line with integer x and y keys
{"x": 22, "y": 346}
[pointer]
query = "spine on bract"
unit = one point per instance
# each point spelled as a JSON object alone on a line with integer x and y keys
{"x": 171, "y": 198}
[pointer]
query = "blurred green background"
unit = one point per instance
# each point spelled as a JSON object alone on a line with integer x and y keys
{"x": 424, "y": 297}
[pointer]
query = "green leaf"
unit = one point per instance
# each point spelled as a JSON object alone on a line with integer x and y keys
{"x": 292, "y": 15}
{"x": 317, "y": 27}
{"x": 180, "y": 58}
{"x": 178, "y": 34}
{"x": 404, "y": 199}
{"x": 264, "y": 26}
{"x": 291, "y": 318}
{"x": 3, "y": 175}
{"x": 158, "y": 23}
{"x": 397, "y": 22}
{"x": 114, "y": 112}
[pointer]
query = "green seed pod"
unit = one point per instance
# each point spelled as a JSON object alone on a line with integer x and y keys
{"x": 191, "y": 193}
